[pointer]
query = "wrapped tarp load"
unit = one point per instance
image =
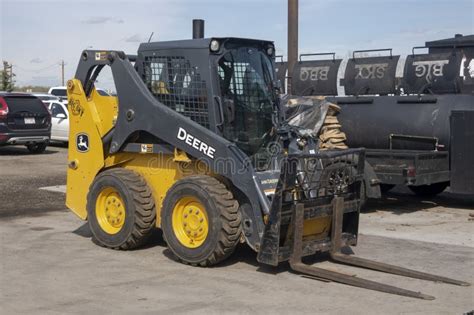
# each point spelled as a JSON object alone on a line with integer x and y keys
{"x": 316, "y": 117}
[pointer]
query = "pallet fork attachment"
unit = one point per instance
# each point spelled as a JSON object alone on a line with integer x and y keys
{"x": 336, "y": 255}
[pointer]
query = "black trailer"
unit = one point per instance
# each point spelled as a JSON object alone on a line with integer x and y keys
{"x": 429, "y": 172}
{"x": 418, "y": 127}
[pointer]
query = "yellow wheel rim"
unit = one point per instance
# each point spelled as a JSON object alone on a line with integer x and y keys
{"x": 110, "y": 210}
{"x": 190, "y": 222}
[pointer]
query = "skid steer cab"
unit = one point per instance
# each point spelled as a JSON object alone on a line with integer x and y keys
{"x": 196, "y": 145}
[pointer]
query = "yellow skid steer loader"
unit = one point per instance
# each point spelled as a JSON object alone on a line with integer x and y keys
{"x": 197, "y": 145}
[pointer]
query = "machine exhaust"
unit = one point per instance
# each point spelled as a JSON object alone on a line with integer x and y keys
{"x": 198, "y": 29}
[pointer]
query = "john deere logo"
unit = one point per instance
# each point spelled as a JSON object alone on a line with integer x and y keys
{"x": 82, "y": 142}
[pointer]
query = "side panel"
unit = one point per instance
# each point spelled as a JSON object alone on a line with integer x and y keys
{"x": 90, "y": 119}
{"x": 462, "y": 152}
{"x": 160, "y": 171}
{"x": 369, "y": 76}
{"x": 436, "y": 72}
{"x": 315, "y": 77}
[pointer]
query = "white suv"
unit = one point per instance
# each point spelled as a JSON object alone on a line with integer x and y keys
{"x": 59, "y": 121}
{"x": 46, "y": 97}
{"x": 61, "y": 92}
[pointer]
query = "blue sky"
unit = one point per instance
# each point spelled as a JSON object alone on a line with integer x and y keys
{"x": 36, "y": 35}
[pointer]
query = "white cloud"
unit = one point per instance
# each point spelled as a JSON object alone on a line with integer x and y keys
{"x": 136, "y": 38}
{"x": 102, "y": 20}
{"x": 43, "y": 81}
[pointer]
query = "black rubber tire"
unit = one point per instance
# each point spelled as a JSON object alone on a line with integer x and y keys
{"x": 223, "y": 215}
{"x": 429, "y": 190}
{"x": 36, "y": 148}
{"x": 386, "y": 188}
{"x": 140, "y": 213}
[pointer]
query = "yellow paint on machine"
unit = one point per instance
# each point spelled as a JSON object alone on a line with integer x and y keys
{"x": 160, "y": 171}
{"x": 317, "y": 228}
{"x": 190, "y": 222}
{"x": 110, "y": 210}
{"x": 95, "y": 117}
{"x": 86, "y": 120}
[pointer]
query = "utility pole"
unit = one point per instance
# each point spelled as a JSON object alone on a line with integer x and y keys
{"x": 292, "y": 39}
{"x": 62, "y": 72}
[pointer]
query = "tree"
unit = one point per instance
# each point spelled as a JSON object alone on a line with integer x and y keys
{"x": 6, "y": 77}
{"x": 32, "y": 88}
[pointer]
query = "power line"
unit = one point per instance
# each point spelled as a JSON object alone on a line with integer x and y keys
{"x": 35, "y": 70}
{"x": 61, "y": 64}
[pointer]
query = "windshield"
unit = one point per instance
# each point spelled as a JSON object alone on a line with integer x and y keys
{"x": 246, "y": 83}
{"x": 102, "y": 92}
{"x": 18, "y": 104}
{"x": 59, "y": 92}
{"x": 46, "y": 97}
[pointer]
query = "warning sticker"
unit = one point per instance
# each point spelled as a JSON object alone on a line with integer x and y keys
{"x": 101, "y": 56}
{"x": 146, "y": 148}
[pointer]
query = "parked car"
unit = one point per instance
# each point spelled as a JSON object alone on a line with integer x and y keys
{"x": 44, "y": 97}
{"x": 59, "y": 121}
{"x": 24, "y": 120}
{"x": 61, "y": 92}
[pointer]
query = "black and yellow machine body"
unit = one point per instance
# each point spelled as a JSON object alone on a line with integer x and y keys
{"x": 195, "y": 144}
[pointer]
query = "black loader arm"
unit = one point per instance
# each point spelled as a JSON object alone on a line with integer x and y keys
{"x": 138, "y": 110}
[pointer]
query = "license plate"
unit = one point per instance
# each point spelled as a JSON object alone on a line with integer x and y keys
{"x": 29, "y": 121}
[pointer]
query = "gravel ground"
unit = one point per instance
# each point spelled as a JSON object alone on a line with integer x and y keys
{"x": 50, "y": 266}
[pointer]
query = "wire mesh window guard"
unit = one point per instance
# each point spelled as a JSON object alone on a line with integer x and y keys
{"x": 178, "y": 85}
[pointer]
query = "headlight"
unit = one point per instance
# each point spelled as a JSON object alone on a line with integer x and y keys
{"x": 270, "y": 51}
{"x": 214, "y": 45}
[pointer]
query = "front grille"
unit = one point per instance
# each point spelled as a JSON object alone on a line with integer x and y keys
{"x": 325, "y": 174}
